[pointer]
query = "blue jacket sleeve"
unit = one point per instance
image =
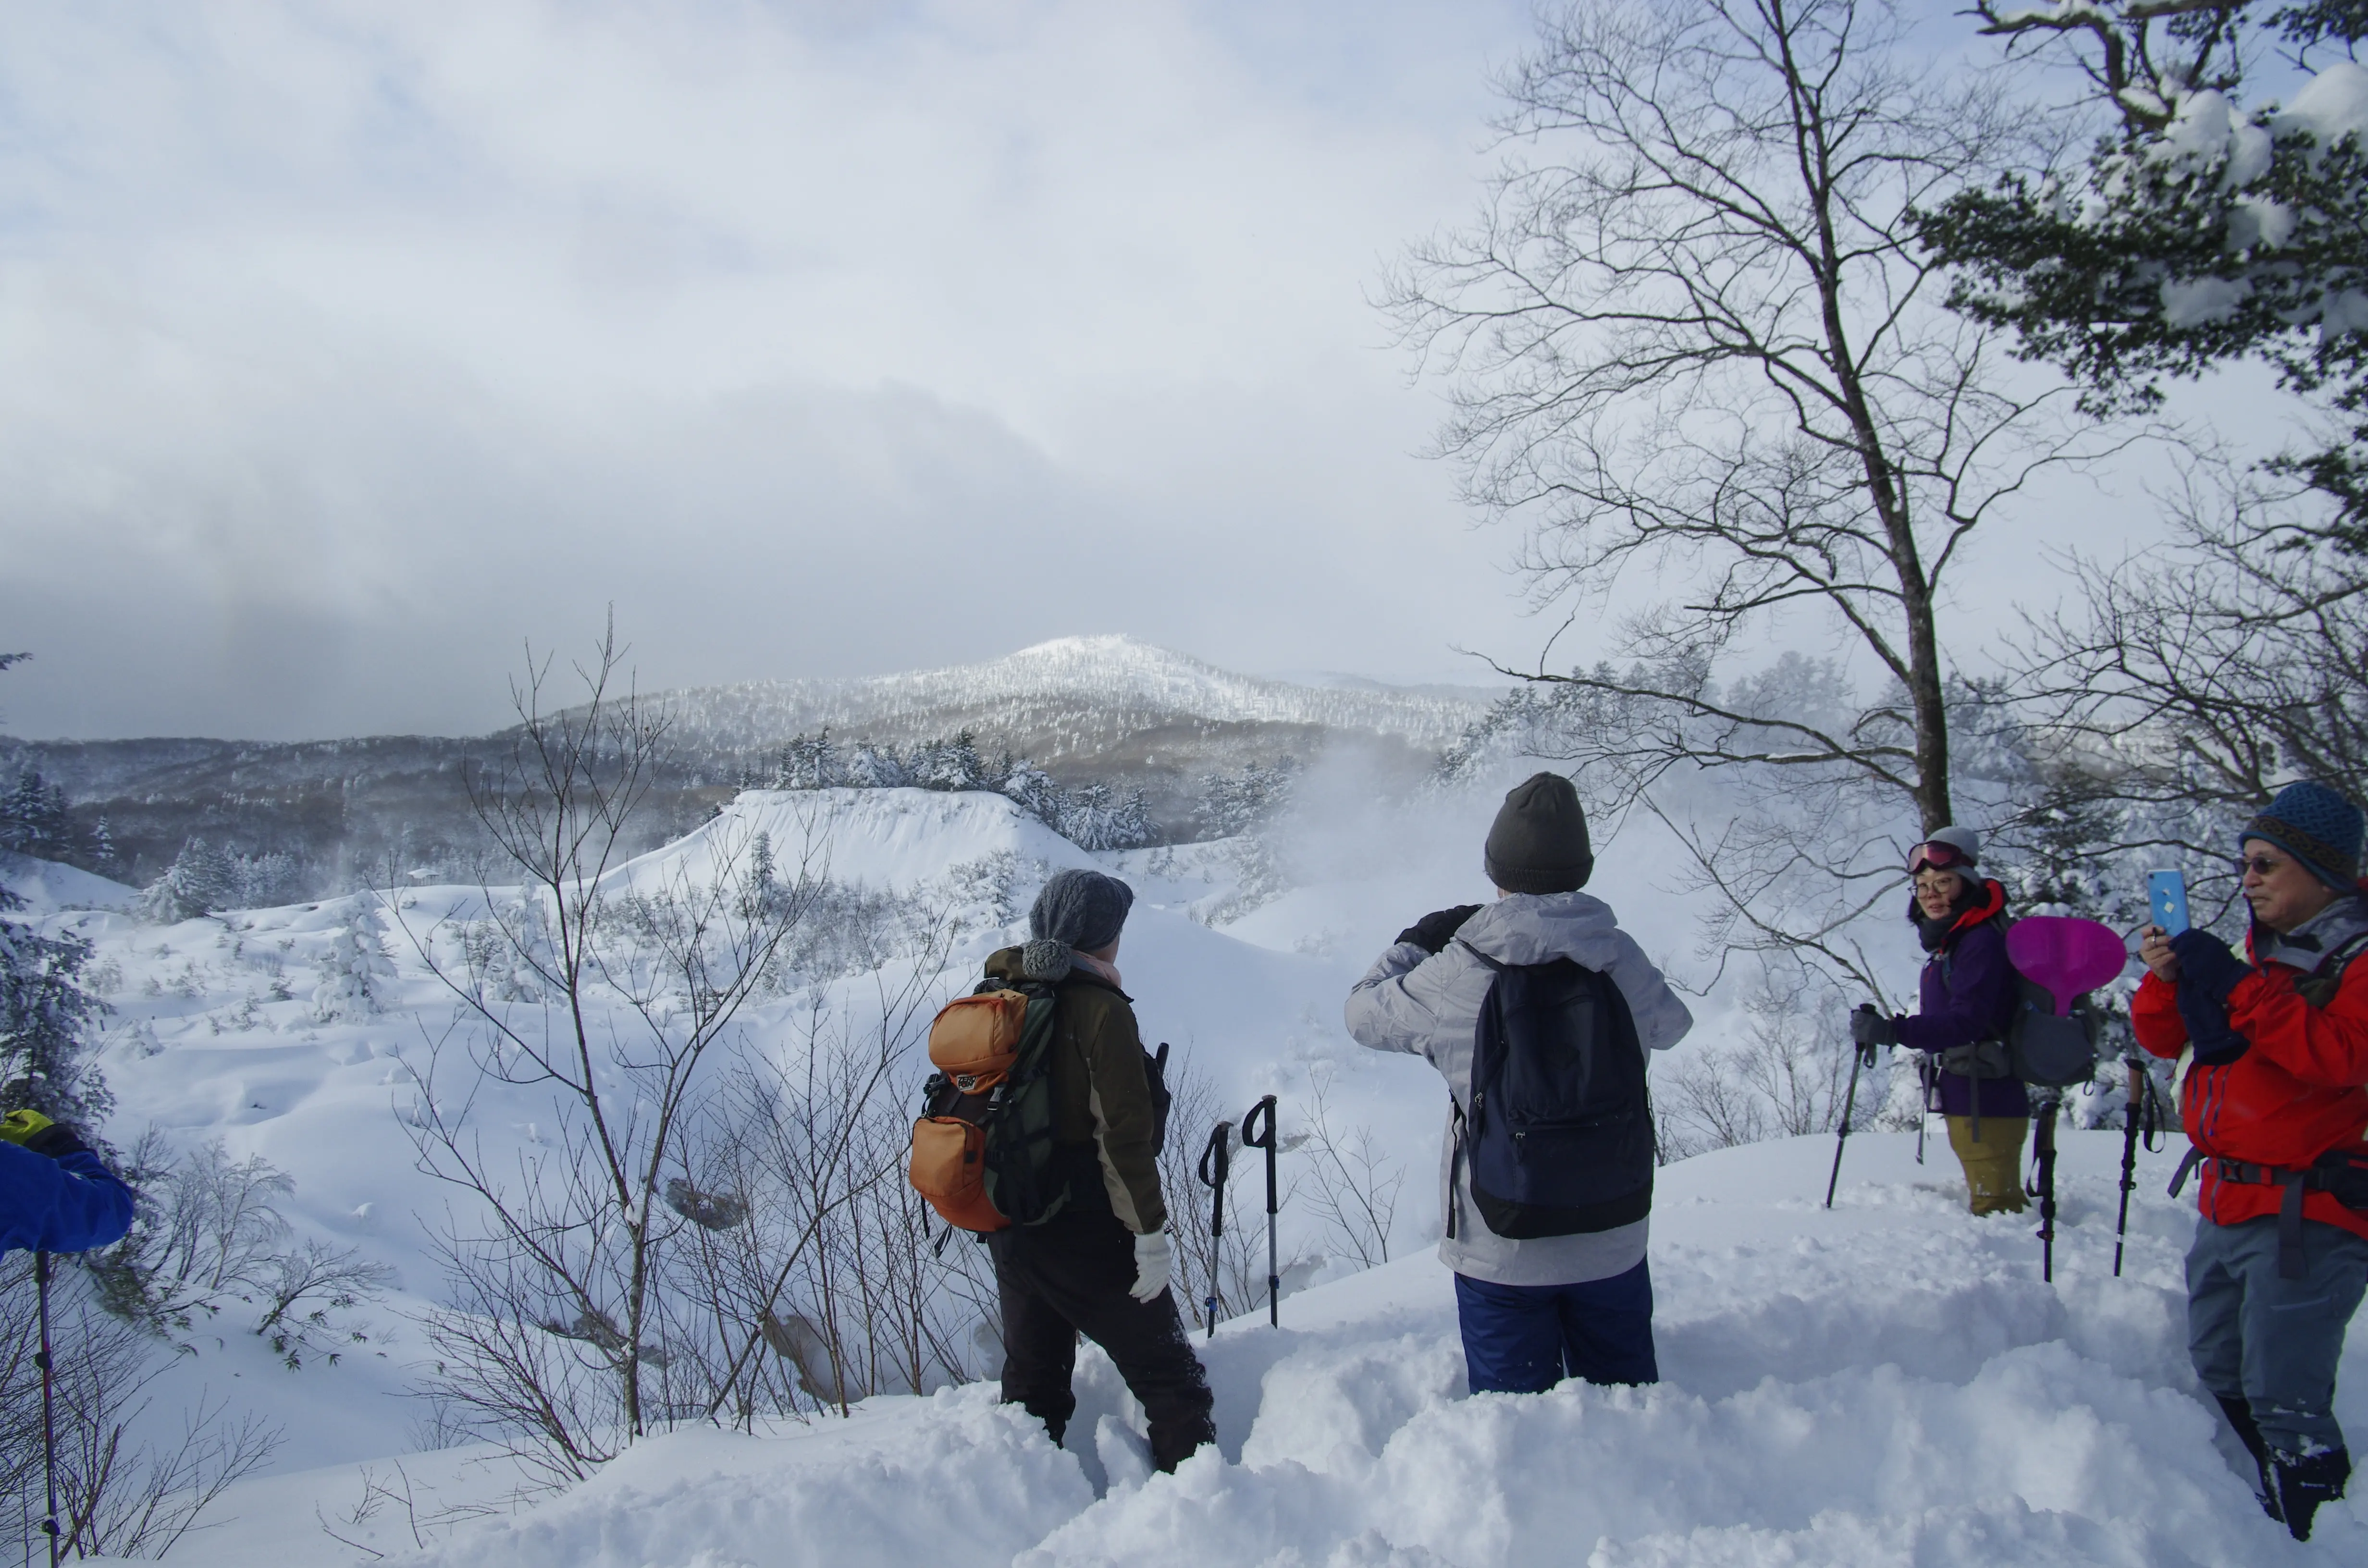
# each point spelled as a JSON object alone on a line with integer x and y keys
{"x": 1973, "y": 1003}
{"x": 67, "y": 1205}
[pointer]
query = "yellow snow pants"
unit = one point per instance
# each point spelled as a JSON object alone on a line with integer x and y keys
{"x": 1994, "y": 1165}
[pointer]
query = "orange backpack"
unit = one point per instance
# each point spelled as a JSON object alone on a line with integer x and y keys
{"x": 983, "y": 1148}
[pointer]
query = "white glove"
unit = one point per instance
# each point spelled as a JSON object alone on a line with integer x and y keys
{"x": 1153, "y": 1259}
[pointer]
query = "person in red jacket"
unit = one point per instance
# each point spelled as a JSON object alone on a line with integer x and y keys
{"x": 2275, "y": 1100}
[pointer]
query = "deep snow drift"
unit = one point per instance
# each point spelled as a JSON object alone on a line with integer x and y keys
{"x": 1890, "y": 1383}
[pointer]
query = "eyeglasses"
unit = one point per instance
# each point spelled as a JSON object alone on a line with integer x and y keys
{"x": 2261, "y": 866}
{"x": 1935, "y": 855}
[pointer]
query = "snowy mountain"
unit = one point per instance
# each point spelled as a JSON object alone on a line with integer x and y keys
{"x": 1091, "y": 709}
{"x": 1070, "y": 698}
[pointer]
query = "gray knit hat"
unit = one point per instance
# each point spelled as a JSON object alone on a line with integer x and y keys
{"x": 1539, "y": 841}
{"x": 1964, "y": 840}
{"x": 1084, "y": 909}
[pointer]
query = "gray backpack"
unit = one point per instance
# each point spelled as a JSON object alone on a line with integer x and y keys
{"x": 2039, "y": 1046}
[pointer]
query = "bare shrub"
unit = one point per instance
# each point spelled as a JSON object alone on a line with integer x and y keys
{"x": 1786, "y": 1077}
{"x": 118, "y": 1495}
{"x": 209, "y": 1233}
{"x": 1348, "y": 1181}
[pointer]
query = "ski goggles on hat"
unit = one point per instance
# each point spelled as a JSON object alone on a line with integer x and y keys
{"x": 1936, "y": 857}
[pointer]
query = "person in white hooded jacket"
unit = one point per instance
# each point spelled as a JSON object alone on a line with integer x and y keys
{"x": 1531, "y": 1311}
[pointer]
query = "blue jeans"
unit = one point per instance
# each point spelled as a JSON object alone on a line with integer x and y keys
{"x": 1525, "y": 1338}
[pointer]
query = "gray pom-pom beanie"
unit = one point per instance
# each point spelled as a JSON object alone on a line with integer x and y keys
{"x": 1084, "y": 909}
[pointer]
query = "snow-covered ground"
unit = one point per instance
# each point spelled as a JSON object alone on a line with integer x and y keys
{"x": 1886, "y": 1384}
{"x": 1889, "y": 1382}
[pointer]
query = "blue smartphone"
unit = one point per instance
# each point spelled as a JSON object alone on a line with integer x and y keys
{"x": 2167, "y": 894}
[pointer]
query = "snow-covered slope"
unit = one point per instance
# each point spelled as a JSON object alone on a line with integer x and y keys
{"x": 1887, "y": 1383}
{"x": 47, "y": 887}
{"x": 213, "y": 1035}
{"x": 1890, "y": 1383}
{"x": 885, "y": 839}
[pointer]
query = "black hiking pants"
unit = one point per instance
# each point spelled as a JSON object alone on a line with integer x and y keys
{"x": 1067, "y": 1277}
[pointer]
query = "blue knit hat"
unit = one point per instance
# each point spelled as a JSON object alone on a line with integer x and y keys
{"x": 2317, "y": 826}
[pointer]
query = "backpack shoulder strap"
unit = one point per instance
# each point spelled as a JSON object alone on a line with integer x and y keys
{"x": 2319, "y": 986}
{"x": 1492, "y": 963}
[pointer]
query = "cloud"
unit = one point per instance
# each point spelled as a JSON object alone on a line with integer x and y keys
{"x": 342, "y": 346}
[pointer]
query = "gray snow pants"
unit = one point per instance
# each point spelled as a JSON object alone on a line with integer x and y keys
{"x": 2269, "y": 1341}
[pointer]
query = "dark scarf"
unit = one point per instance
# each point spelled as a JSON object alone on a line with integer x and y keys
{"x": 1976, "y": 901}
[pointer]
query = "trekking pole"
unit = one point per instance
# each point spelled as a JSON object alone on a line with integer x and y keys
{"x": 2138, "y": 1121}
{"x": 1214, "y": 1161}
{"x": 1860, "y": 1056}
{"x": 1924, "y": 1071}
{"x": 49, "y": 1421}
{"x": 1265, "y": 1141}
{"x": 2044, "y": 1188}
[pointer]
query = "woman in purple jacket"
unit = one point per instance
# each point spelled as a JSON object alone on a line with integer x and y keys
{"x": 1965, "y": 1003}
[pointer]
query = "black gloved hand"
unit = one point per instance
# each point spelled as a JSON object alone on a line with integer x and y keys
{"x": 57, "y": 1140}
{"x": 2207, "y": 966}
{"x": 1435, "y": 930}
{"x": 2217, "y": 1042}
{"x": 1871, "y": 1027}
{"x": 2207, "y": 973}
{"x": 32, "y": 1131}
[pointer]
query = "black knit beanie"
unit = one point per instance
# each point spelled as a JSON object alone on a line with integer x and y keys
{"x": 1539, "y": 841}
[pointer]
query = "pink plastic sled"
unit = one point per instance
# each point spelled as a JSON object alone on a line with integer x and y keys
{"x": 2066, "y": 956}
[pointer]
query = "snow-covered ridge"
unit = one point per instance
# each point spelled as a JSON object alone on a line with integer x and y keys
{"x": 886, "y": 840}
{"x": 1109, "y": 678}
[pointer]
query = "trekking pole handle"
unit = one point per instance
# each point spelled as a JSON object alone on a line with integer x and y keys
{"x": 1215, "y": 1162}
{"x": 1253, "y": 1139}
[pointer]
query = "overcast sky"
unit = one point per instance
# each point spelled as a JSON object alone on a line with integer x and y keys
{"x": 345, "y": 346}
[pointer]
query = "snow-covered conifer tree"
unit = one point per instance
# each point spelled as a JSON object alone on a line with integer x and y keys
{"x": 1098, "y": 817}
{"x": 1031, "y": 789}
{"x": 2202, "y": 229}
{"x": 355, "y": 973}
{"x": 1236, "y": 802}
{"x": 200, "y": 880}
{"x": 44, "y": 1010}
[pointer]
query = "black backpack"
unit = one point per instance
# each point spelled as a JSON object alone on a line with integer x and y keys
{"x": 1559, "y": 1136}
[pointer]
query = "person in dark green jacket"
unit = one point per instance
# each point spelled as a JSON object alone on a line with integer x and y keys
{"x": 1099, "y": 1267}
